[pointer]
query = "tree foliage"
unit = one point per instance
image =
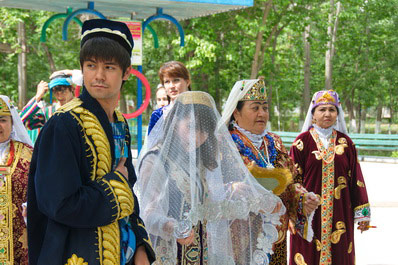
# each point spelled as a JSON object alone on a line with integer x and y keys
{"x": 220, "y": 49}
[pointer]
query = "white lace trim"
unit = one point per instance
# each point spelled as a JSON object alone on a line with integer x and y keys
{"x": 238, "y": 209}
{"x": 324, "y": 134}
{"x": 256, "y": 139}
{"x": 359, "y": 216}
{"x": 4, "y": 150}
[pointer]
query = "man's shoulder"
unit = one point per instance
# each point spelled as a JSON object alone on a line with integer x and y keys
{"x": 71, "y": 105}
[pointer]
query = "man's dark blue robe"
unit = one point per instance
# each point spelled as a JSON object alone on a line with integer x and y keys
{"x": 74, "y": 198}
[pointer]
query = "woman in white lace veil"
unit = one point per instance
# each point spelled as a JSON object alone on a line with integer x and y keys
{"x": 194, "y": 190}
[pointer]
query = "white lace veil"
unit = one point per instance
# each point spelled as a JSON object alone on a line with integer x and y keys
{"x": 195, "y": 174}
{"x": 340, "y": 122}
{"x": 18, "y": 132}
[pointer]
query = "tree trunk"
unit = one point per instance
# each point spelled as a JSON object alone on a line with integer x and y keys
{"x": 123, "y": 103}
{"x": 363, "y": 120}
{"x": 332, "y": 34}
{"x": 307, "y": 76}
{"x": 259, "y": 41}
{"x": 378, "y": 118}
{"x": 357, "y": 117}
{"x": 22, "y": 65}
{"x": 49, "y": 57}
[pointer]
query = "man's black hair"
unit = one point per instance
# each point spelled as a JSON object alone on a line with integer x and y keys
{"x": 105, "y": 49}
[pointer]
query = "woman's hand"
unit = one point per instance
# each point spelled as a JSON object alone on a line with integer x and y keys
{"x": 188, "y": 240}
{"x": 311, "y": 203}
{"x": 140, "y": 256}
{"x": 277, "y": 208}
{"x": 363, "y": 226}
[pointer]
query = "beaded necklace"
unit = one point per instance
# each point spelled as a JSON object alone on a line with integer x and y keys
{"x": 248, "y": 152}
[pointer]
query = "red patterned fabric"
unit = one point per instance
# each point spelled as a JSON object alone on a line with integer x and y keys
{"x": 291, "y": 198}
{"x": 347, "y": 198}
{"x": 18, "y": 173}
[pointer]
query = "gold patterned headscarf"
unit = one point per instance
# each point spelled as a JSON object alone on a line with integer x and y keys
{"x": 196, "y": 97}
{"x": 18, "y": 132}
{"x": 4, "y": 109}
{"x": 243, "y": 90}
{"x": 256, "y": 92}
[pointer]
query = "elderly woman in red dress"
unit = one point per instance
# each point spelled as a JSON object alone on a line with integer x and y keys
{"x": 327, "y": 163}
{"x": 15, "y": 155}
{"x": 246, "y": 114}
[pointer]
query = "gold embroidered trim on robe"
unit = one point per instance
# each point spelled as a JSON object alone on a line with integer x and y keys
{"x": 342, "y": 183}
{"x": 299, "y": 259}
{"x": 74, "y": 260}
{"x": 100, "y": 152}
{"x": 299, "y": 144}
{"x": 349, "y": 248}
{"x": 360, "y": 184}
{"x": 7, "y": 207}
{"x": 336, "y": 235}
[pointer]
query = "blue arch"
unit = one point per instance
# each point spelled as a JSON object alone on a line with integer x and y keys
{"x": 75, "y": 13}
{"x": 160, "y": 15}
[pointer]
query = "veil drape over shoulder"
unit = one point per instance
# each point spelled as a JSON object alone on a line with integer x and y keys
{"x": 195, "y": 175}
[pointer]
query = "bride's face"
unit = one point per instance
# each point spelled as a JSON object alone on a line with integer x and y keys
{"x": 186, "y": 133}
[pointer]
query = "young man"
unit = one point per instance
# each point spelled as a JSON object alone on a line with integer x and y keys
{"x": 81, "y": 206}
{"x": 35, "y": 113}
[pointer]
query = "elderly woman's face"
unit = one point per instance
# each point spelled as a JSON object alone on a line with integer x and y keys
{"x": 5, "y": 128}
{"x": 325, "y": 115}
{"x": 253, "y": 116}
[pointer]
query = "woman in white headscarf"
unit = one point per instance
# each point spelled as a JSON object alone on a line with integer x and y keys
{"x": 15, "y": 155}
{"x": 198, "y": 200}
{"x": 246, "y": 114}
{"x": 327, "y": 161}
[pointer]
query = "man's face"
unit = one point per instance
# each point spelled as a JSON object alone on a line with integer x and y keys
{"x": 103, "y": 79}
{"x": 63, "y": 94}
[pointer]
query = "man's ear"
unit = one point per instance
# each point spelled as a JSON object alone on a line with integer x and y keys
{"x": 127, "y": 73}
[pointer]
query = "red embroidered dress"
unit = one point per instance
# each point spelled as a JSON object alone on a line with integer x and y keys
{"x": 335, "y": 175}
{"x": 292, "y": 197}
{"x": 13, "y": 188}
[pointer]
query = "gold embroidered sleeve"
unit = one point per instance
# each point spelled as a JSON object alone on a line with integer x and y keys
{"x": 119, "y": 192}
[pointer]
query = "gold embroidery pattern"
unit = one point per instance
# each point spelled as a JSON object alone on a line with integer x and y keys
{"x": 74, "y": 260}
{"x": 349, "y": 248}
{"x": 7, "y": 208}
{"x": 360, "y": 184}
{"x": 318, "y": 245}
{"x": 299, "y": 144}
{"x": 299, "y": 169}
{"x": 340, "y": 149}
{"x": 108, "y": 236}
{"x": 317, "y": 155}
{"x": 340, "y": 226}
{"x": 361, "y": 207}
{"x": 342, "y": 140}
{"x": 327, "y": 183}
{"x": 299, "y": 259}
{"x": 342, "y": 183}
{"x": 124, "y": 197}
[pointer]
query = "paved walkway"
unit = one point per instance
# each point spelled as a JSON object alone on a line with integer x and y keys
{"x": 378, "y": 246}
